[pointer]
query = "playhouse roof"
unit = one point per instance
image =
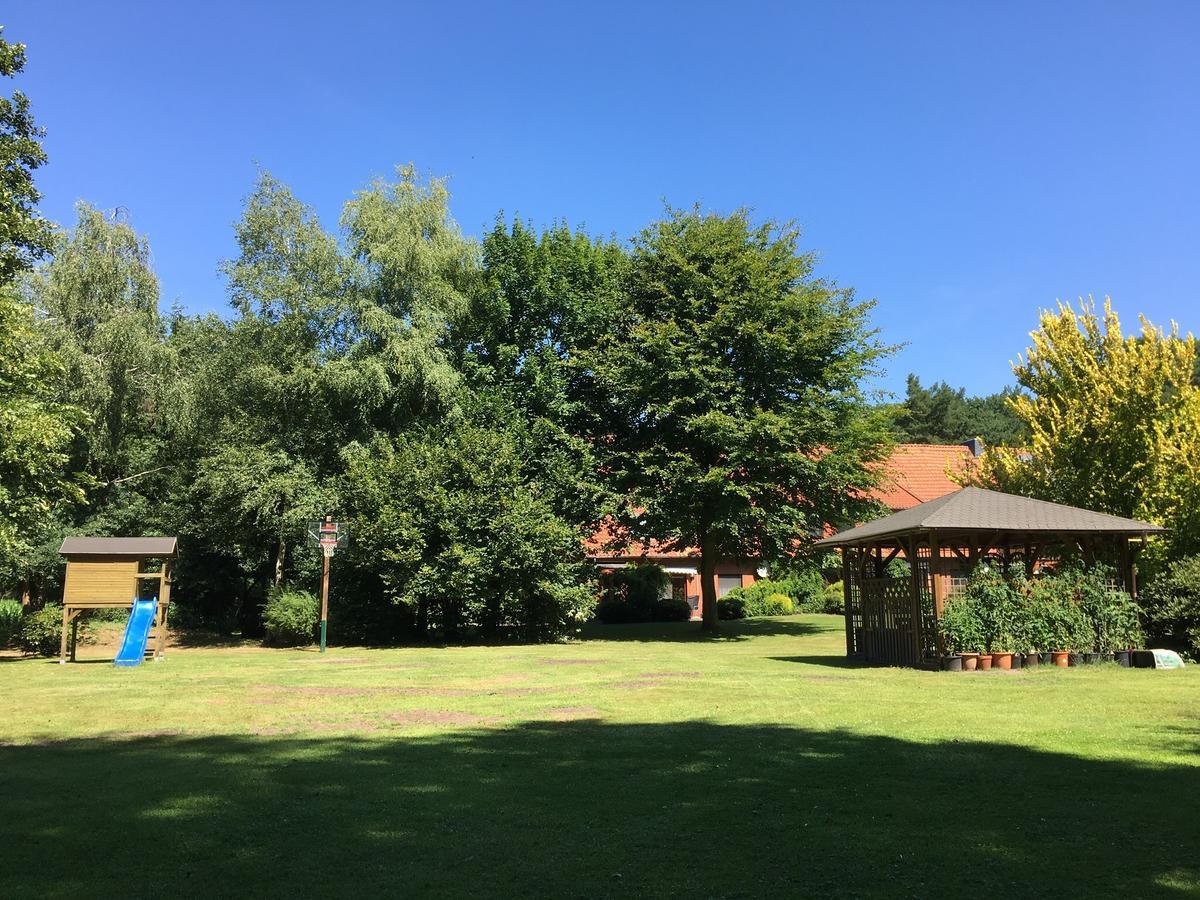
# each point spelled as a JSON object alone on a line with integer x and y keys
{"x": 118, "y": 546}
{"x": 977, "y": 509}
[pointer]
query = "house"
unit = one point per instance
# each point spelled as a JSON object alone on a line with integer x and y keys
{"x": 916, "y": 473}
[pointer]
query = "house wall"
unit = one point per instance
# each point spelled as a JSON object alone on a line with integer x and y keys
{"x": 746, "y": 571}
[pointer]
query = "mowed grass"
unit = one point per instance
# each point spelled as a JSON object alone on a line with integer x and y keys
{"x": 642, "y": 761}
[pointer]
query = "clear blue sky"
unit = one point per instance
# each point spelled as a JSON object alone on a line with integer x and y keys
{"x": 962, "y": 163}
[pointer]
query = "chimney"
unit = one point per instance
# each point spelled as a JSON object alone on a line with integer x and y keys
{"x": 975, "y": 445}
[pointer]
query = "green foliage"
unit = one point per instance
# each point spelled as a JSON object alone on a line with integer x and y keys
{"x": 777, "y": 605}
{"x": 11, "y": 612}
{"x": 1172, "y": 604}
{"x": 962, "y": 626}
{"x": 996, "y": 604}
{"x": 613, "y": 611}
{"x": 731, "y": 606}
{"x": 670, "y": 609}
{"x": 454, "y": 524}
{"x": 24, "y": 234}
{"x": 1059, "y": 622}
{"x": 291, "y": 617}
{"x": 1114, "y": 422}
{"x": 36, "y": 433}
{"x": 41, "y": 631}
{"x": 833, "y": 599}
{"x": 940, "y": 414}
{"x": 735, "y": 378}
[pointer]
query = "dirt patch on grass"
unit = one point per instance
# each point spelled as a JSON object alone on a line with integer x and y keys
{"x": 270, "y": 693}
{"x": 439, "y": 717}
{"x": 571, "y": 661}
{"x": 651, "y": 679}
{"x": 572, "y": 713}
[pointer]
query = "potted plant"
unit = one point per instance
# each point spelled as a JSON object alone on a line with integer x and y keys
{"x": 962, "y": 632}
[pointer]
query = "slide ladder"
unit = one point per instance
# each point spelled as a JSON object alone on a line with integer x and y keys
{"x": 137, "y": 632}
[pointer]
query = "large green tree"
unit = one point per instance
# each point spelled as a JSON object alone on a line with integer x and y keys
{"x": 25, "y": 236}
{"x": 736, "y": 375}
{"x": 940, "y": 414}
{"x": 1114, "y": 422}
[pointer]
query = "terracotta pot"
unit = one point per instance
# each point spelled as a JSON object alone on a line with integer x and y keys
{"x": 1060, "y": 658}
{"x": 1002, "y": 660}
{"x": 985, "y": 661}
{"x": 970, "y": 661}
{"x": 952, "y": 663}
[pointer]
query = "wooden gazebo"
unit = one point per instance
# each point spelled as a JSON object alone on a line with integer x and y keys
{"x": 112, "y": 572}
{"x": 893, "y": 621}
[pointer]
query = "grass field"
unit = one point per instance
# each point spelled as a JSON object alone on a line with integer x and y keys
{"x": 643, "y": 761}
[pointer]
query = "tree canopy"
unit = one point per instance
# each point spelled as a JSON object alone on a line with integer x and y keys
{"x": 941, "y": 414}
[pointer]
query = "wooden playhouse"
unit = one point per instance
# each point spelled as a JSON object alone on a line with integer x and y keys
{"x": 111, "y": 573}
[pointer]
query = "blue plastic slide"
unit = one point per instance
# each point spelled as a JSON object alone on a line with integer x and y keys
{"x": 137, "y": 632}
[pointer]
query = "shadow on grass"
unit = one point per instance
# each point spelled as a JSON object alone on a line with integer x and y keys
{"x": 740, "y": 630}
{"x": 590, "y": 809}
{"x": 838, "y": 662}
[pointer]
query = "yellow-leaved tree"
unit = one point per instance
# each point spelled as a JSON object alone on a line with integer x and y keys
{"x": 1114, "y": 422}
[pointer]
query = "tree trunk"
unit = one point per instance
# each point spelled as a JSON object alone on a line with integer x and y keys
{"x": 26, "y": 596}
{"x": 708, "y": 588}
{"x": 279, "y": 555}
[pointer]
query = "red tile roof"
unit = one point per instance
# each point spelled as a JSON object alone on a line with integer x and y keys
{"x": 917, "y": 473}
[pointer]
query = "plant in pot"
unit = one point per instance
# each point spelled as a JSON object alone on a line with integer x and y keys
{"x": 962, "y": 633}
{"x": 1121, "y": 627}
{"x": 993, "y": 598}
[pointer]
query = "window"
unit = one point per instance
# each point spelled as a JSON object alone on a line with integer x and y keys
{"x": 726, "y": 583}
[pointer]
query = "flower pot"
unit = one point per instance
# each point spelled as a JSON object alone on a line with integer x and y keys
{"x": 1061, "y": 658}
{"x": 1032, "y": 659}
{"x": 1123, "y": 658}
{"x": 1090, "y": 659}
{"x": 1107, "y": 657}
{"x": 1045, "y": 659}
{"x": 985, "y": 661}
{"x": 952, "y": 663}
{"x": 1002, "y": 660}
{"x": 970, "y": 661}
{"x": 1018, "y": 660}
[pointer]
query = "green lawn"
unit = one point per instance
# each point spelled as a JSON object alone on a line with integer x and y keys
{"x": 644, "y": 761}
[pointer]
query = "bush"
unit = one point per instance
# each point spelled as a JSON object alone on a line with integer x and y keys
{"x": 668, "y": 609}
{"x": 617, "y": 612}
{"x": 1172, "y": 605}
{"x": 961, "y": 625}
{"x": 291, "y": 618}
{"x": 41, "y": 632}
{"x": 11, "y": 612}
{"x": 833, "y": 599}
{"x": 731, "y": 606}
{"x": 776, "y": 605}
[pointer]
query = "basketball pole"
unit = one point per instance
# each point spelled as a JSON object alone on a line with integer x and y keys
{"x": 324, "y": 596}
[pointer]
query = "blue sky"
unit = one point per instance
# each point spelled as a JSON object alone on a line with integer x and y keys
{"x": 962, "y": 163}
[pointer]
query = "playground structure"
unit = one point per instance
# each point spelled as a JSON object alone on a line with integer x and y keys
{"x": 114, "y": 573}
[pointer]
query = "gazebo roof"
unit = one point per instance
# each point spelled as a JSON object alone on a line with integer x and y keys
{"x": 977, "y": 509}
{"x": 118, "y": 546}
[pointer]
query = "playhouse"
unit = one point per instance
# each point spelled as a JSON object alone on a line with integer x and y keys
{"x": 119, "y": 572}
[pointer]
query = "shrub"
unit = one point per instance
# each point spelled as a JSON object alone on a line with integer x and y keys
{"x": 617, "y": 612}
{"x": 999, "y": 612}
{"x": 731, "y": 606}
{"x": 961, "y": 625}
{"x": 41, "y": 632}
{"x": 668, "y": 609}
{"x": 291, "y": 617}
{"x": 776, "y": 605}
{"x": 1057, "y": 617}
{"x": 11, "y": 612}
{"x": 1172, "y": 605}
{"x": 833, "y": 598}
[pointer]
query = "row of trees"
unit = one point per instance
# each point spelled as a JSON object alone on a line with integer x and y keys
{"x": 473, "y": 409}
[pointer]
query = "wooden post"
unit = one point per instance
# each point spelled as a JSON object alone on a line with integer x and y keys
{"x": 164, "y": 598}
{"x": 846, "y": 588}
{"x": 74, "y": 634}
{"x": 62, "y": 647}
{"x": 938, "y": 587}
{"x": 324, "y": 597}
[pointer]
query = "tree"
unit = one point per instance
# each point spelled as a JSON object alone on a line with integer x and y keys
{"x": 24, "y": 235}
{"x": 740, "y": 423}
{"x": 1114, "y": 422}
{"x": 940, "y": 414}
{"x": 454, "y": 525}
{"x": 36, "y": 430}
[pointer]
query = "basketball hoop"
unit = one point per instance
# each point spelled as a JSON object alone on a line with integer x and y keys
{"x": 328, "y": 535}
